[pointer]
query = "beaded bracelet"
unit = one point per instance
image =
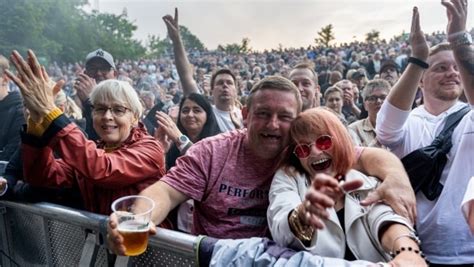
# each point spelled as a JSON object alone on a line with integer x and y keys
{"x": 411, "y": 235}
{"x": 410, "y": 249}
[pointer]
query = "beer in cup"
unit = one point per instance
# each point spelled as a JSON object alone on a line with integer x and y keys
{"x": 134, "y": 215}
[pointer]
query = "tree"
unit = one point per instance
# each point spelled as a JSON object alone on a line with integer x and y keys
{"x": 60, "y": 30}
{"x": 190, "y": 41}
{"x": 372, "y": 36}
{"x": 115, "y": 35}
{"x": 158, "y": 47}
{"x": 245, "y": 46}
{"x": 326, "y": 35}
{"x": 235, "y": 48}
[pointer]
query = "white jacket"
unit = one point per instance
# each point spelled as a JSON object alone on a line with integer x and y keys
{"x": 362, "y": 224}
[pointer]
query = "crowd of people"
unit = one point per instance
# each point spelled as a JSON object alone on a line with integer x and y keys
{"x": 301, "y": 146}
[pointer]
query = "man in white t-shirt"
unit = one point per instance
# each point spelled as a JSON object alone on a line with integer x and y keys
{"x": 229, "y": 175}
{"x": 440, "y": 72}
{"x": 223, "y": 82}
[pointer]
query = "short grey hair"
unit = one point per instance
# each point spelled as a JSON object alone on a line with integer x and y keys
{"x": 117, "y": 91}
{"x": 376, "y": 84}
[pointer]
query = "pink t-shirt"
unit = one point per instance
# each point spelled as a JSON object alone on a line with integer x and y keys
{"x": 230, "y": 186}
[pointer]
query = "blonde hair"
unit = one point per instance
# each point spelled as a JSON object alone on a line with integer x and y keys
{"x": 117, "y": 91}
{"x": 70, "y": 107}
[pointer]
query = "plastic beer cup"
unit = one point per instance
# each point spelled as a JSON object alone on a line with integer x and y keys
{"x": 134, "y": 215}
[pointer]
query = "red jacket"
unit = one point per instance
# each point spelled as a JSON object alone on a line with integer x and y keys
{"x": 101, "y": 177}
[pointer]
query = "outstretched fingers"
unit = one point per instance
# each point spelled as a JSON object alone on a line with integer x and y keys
{"x": 34, "y": 64}
{"x": 23, "y": 69}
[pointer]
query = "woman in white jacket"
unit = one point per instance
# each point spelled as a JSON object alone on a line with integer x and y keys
{"x": 309, "y": 210}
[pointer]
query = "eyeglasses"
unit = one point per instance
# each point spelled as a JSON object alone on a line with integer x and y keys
{"x": 117, "y": 111}
{"x": 373, "y": 98}
{"x": 302, "y": 151}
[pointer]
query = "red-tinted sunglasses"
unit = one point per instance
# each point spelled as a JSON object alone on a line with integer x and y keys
{"x": 302, "y": 151}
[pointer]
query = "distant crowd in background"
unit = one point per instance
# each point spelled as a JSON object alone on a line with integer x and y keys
{"x": 160, "y": 77}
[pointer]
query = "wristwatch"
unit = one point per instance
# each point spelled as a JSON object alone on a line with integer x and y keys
{"x": 183, "y": 141}
{"x": 463, "y": 38}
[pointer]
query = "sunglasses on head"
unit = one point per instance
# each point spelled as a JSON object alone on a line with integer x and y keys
{"x": 324, "y": 142}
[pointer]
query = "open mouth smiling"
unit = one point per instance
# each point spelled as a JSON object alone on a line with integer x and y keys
{"x": 321, "y": 164}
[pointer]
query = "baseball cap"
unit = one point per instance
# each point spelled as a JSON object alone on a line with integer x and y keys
{"x": 389, "y": 63}
{"x": 101, "y": 55}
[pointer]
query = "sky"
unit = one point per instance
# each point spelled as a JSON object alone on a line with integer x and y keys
{"x": 291, "y": 23}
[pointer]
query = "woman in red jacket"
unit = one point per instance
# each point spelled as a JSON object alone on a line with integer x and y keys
{"x": 125, "y": 160}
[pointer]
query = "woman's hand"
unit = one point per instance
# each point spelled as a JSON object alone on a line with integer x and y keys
{"x": 35, "y": 86}
{"x": 162, "y": 137}
{"x": 168, "y": 126}
{"x": 322, "y": 194}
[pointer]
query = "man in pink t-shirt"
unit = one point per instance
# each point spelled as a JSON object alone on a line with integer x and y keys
{"x": 229, "y": 175}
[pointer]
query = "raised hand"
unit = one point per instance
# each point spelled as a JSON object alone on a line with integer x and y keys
{"x": 84, "y": 85}
{"x": 35, "y": 86}
{"x": 172, "y": 26}
{"x": 418, "y": 42}
{"x": 456, "y": 11}
{"x": 348, "y": 98}
{"x": 168, "y": 126}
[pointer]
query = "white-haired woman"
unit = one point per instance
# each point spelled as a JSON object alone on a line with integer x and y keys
{"x": 125, "y": 160}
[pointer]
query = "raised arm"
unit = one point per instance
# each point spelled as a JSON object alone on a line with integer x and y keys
{"x": 462, "y": 48}
{"x": 403, "y": 92}
{"x": 181, "y": 59}
{"x": 395, "y": 189}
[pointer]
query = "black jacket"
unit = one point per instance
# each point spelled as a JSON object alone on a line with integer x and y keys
{"x": 11, "y": 121}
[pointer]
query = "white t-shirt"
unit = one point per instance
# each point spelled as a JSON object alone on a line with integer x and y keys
{"x": 223, "y": 118}
{"x": 444, "y": 233}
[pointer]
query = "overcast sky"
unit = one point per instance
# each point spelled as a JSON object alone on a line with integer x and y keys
{"x": 292, "y": 23}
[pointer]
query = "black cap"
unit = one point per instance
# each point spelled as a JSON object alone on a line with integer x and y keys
{"x": 389, "y": 63}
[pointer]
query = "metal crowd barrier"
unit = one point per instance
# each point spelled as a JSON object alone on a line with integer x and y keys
{"x": 46, "y": 234}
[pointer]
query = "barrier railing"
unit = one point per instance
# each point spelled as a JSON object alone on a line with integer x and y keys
{"x": 46, "y": 234}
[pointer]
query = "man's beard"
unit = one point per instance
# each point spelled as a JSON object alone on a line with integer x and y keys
{"x": 448, "y": 95}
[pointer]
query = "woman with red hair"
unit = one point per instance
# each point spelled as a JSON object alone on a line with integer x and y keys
{"x": 314, "y": 199}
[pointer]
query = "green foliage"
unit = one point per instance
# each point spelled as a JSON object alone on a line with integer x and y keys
{"x": 61, "y": 31}
{"x": 372, "y": 36}
{"x": 235, "y": 48}
{"x": 158, "y": 47}
{"x": 190, "y": 41}
{"x": 326, "y": 35}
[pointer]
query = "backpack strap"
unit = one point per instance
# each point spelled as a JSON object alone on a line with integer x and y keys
{"x": 453, "y": 120}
